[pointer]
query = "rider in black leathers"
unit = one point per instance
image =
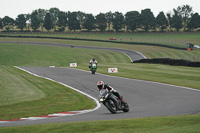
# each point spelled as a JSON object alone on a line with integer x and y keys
{"x": 101, "y": 85}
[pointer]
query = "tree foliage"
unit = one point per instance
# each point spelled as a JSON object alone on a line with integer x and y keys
{"x": 1, "y": 24}
{"x": 35, "y": 22}
{"x": 132, "y": 20}
{"x": 169, "y": 19}
{"x": 48, "y": 25}
{"x": 118, "y": 21}
{"x": 20, "y": 21}
{"x": 109, "y": 18}
{"x": 54, "y": 14}
{"x": 73, "y": 23}
{"x": 147, "y": 19}
{"x": 185, "y": 12}
{"x": 80, "y": 17}
{"x": 89, "y": 22}
{"x": 177, "y": 21}
{"x": 8, "y": 22}
{"x": 181, "y": 17}
{"x": 41, "y": 16}
{"x": 62, "y": 20}
{"x": 101, "y": 22}
{"x": 194, "y": 22}
{"x": 161, "y": 21}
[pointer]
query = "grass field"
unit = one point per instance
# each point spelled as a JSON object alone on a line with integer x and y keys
{"x": 37, "y": 92}
{"x": 177, "y": 124}
{"x": 148, "y": 51}
{"x": 176, "y": 39}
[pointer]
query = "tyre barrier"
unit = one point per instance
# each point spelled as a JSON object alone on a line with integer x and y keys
{"x": 168, "y": 61}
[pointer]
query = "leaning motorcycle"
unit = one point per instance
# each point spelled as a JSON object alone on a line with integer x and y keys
{"x": 112, "y": 102}
{"x": 93, "y": 68}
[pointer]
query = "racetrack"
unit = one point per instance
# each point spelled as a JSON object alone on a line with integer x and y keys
{"x": 146, "y": 99}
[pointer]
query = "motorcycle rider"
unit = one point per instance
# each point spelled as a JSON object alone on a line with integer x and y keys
{"x": 101, "y": 85}
{"x": 93, "y": 60}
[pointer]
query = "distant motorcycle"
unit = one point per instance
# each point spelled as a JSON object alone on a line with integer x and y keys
{"x": 112, "y": 102}
{"x": 93, "y": 68}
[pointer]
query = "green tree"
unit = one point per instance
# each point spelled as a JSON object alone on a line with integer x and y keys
{"x": 161, "y": 21}
{"x": 147, "y": 19}
{"x": 8, "y": 22}
{"x": 20, "y": 21}
{"x": 80, "y": 18}
{"x": 54, "y": 16}
{"x": 62, "y": 20}
{"x": 35, "y": 22}
{"x": 28, "y": 20}
{"x": 118, "y": 21}
{"x": 177, "y": 21}
{"x": 169, "y": 19}
{"x": 73, "y": 22}
{"x": 41, "y": 16}
{"x": 109, "y": 18}
{"x": 1, "y": 24}
{"x": 131, "y": 19}
{"x": 48, "y": 25}
{"x": 101, "y": 22}
{"x": 194, "y": 22}
{"x": 185, "y": 12}
{"x": 89, "y": 22}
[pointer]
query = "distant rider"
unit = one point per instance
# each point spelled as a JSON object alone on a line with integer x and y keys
{"x": 101, "y": 85}
{"x": 93, "y": 60}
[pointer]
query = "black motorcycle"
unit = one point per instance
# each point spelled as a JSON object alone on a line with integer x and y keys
{"x": 112, "y": 102}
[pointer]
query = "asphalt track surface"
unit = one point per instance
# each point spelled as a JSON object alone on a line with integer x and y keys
{"x": 146, "y": 99}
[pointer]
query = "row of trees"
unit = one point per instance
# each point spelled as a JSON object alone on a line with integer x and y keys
{"x": 182, "y": 17}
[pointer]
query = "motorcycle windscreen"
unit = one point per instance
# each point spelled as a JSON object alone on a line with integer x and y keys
{"x": 103, "y": 92}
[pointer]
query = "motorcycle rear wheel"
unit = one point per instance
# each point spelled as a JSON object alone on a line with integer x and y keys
{"x": 126, "y": 107}
{"x": 93, "y": 72}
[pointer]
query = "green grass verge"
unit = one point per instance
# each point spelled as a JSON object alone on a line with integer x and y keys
{"x": 39, "y": 55}
{"x": 17, "y": 87}
{"x": 24, "y": 95}
{"x": 177, "y": 124}
{"x": 176, "y": 75}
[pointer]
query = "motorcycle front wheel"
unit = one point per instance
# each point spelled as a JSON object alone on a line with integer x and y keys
{"x": 111, "y": 106}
